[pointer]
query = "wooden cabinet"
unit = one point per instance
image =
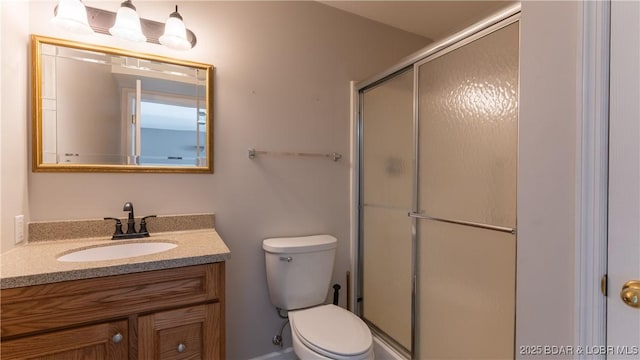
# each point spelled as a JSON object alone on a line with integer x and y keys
{"x": 102, "y": 341}
{"x": 180, "y": 333}
{"x": 165, "y": 314}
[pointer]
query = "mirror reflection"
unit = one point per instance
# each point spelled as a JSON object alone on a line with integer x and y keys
{"x": 103, "y": 109}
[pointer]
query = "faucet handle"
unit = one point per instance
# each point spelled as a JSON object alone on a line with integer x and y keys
{"x": 143, "y": 225}
{"x": 118, "y": 226}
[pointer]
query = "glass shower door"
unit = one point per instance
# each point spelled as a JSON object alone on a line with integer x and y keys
{"x": 467, "y": 121}
{"x": 386, "y": 198}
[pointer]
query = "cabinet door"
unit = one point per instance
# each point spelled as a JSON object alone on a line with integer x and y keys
{"x": 102, "y": 341}
{"x": 186, "y": 333}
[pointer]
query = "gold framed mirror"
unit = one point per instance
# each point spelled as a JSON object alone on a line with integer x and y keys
{"x": 101, "y": 109}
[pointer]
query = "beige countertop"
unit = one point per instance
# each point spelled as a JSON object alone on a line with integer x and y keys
{"x": 36, "y": 263}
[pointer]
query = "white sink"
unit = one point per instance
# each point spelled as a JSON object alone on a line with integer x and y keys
{"x": 117, "y": 251}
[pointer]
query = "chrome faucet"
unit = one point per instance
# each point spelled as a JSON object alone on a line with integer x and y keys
{"x": 131, "y": 225}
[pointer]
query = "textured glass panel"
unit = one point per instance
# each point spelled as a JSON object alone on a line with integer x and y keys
{"x": 466, "y": 292}
{"x": 387, "y": 272}
{"x": 387, "y": 128}
{"x": 468, "y": 112}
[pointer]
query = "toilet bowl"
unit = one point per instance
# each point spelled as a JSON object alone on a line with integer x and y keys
{"x": 298, "y": 275}
{"x": 330, "y": 332}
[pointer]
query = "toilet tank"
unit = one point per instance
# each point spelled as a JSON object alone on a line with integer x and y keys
{"x": 299, "y": 270}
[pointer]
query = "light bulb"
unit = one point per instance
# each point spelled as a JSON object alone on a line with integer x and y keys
{"x": 175, "y": 33}
{"x": 72, "y": 16}
{"x": 127, "y": 25}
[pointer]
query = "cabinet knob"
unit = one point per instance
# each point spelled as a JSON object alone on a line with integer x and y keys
{"x": 116, "y": 338}
{"x": 181, "y": 347}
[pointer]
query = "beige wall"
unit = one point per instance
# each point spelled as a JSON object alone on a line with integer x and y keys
{"x": 14, "y": 163}
{"x": 546, "y": 173}
{"x": 281, "y": 83}
{"x": 1, "y": 116}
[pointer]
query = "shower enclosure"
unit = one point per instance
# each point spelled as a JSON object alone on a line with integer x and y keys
{"x": 437, "y": 197}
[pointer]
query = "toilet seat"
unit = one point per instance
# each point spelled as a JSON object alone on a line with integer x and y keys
{"x": 332, "y": 331}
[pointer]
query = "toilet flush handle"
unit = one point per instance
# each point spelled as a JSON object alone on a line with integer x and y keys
{"x": 286, "y": 258}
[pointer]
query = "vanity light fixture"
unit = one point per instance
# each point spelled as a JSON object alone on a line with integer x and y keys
{"x": 175, "y": 33}
{"x": 74, "y": 16}
{"x": 127, "y": 25}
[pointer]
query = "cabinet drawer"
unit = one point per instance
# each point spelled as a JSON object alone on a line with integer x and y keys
{"x": 102, "y": 341}
{"x": 187, "y": 333}
{"x": 42, "y": 307}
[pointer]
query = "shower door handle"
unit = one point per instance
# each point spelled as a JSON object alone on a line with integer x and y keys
{"x": 462, "y": 222}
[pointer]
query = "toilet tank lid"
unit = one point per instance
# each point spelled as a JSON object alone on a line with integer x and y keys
{"x": 301, "y": 244}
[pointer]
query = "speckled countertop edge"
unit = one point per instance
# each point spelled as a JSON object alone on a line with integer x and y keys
{"x": 36, "y": 263}
{"x": 93, "y": 228}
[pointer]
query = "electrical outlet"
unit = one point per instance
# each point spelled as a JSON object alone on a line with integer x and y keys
{"x": 18, "y": 228}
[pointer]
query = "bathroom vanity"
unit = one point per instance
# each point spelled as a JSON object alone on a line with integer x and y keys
{"x": 168, "y": 305}
{"x": 163, "y": 314}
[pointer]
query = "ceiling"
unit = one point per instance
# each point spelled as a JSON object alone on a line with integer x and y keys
{"x": 434, "y": 20}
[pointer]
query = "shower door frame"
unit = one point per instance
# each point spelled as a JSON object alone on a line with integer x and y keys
{"x": 489, "y": 25}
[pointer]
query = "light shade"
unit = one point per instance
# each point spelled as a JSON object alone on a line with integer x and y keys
{"x": 175, "y": 33}
{"x": 127, "y": 24}
{"x": 72, "y": 15}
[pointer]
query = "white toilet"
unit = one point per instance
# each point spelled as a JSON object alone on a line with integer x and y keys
{"x": 298, "y": 275}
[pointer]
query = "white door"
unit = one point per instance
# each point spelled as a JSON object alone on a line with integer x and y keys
{"x": 623, "y": 320}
